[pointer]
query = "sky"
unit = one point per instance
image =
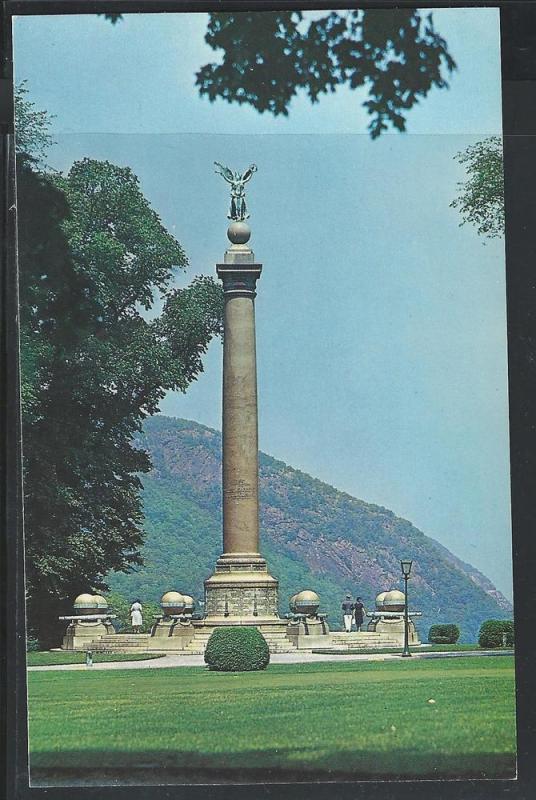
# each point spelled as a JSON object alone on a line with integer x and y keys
{"x": 381, "y": 331}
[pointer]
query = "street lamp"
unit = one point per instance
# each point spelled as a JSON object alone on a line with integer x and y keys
{"x": 406, "y": 570}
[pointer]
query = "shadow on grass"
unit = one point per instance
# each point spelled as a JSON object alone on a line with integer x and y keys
{"x": 70, "y": 768}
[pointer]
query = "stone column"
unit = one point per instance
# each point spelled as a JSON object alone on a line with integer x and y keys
{"x": 241, "y": 586}
{"x": 240, "y": 448}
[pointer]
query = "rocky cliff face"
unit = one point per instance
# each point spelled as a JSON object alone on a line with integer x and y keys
{"x": 312, "y": 535}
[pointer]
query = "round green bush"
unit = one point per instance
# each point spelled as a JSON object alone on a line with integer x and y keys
{"x": 444, "y": 634}
{"x": 492, "y": 630}
{"x": 237, "y": 650}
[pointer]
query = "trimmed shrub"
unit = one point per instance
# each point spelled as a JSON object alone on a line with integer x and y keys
{"x": 237, "y": 650}
{"x": 444, "y": 634}
{"x": 492, "y": 630}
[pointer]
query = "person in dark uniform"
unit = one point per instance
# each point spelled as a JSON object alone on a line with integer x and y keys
{"x": 359, "y": 613}
{"x": 347, "y": 611}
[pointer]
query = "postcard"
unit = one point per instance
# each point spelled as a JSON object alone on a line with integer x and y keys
{"x": 264, "y": 389}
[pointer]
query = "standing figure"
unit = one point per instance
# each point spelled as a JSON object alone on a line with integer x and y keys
{"x": 347, "y": 611}
{"x": 238, "y": 210}
{"x": 359, "y": 613}
{"x": 135, "y": 616}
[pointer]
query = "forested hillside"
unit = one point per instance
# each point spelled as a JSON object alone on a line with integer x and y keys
{"x": 312, "y": 535}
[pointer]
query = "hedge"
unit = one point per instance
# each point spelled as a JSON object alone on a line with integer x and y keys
{"x": 491, "y": 633}
{"x": 444, "y": 634}
{"x": 237, "y": 650}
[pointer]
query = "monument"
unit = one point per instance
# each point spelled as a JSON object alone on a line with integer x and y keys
{"x": 241, "y": 590}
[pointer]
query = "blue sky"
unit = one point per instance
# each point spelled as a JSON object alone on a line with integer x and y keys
{"x": 380, "y": 322}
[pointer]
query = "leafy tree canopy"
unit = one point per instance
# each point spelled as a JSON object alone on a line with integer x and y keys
{"x": 396, "y": 54}
{"x": 33, "y": 137}
{"x": 93, "y": 256}
{"x": 481, "y": 198}
{"x": 267, "y": 58}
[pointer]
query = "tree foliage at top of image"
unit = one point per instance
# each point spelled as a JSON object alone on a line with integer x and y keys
{"x": 268, "y": 57}
{"x": 481, "y": 198}
{"x": 93, "y": 255}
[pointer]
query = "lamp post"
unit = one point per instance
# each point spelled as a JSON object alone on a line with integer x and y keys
{"x": 406, "y": 570}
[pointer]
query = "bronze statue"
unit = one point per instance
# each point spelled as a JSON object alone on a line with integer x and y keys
{"x": 238, "y": 210}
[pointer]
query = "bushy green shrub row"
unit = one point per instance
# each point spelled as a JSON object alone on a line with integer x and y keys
{"x": 237, "y": 649}
{"x": 444, "y": 634}
{"x": 491, "y": 633}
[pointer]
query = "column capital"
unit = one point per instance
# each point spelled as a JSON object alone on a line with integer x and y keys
{"x": 239, "y": 278}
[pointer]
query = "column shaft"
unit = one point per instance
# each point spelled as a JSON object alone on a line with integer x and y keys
{"x": 240, "y": 428}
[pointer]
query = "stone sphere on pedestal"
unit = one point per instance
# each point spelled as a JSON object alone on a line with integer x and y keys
{"x": 189, "y": 604}
{"x": 238, "y": 232}
{"x": 172, "y": 603}
{"x": 102, "y": 603}
{"x": 394, "y": 600}
{"x": 307, "y": 602}
{"x": 85, "y": 604}
{"x": 380, "y": 600}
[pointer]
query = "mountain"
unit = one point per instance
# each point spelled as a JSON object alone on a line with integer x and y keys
{"x": 313, "y": 537}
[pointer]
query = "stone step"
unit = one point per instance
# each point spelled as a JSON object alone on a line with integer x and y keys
{"x": 125, "y": 650}
{"x": 276, "y": 644}
{"x": 114, "y": 648}
{"x": 118, "y": 640}
{"x": 355, "y": 633}
{"x": 378, "y": 646}
{"x": 350, "y": 638}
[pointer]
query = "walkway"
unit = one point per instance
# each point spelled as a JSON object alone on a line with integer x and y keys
{"x": 176, "y": 660}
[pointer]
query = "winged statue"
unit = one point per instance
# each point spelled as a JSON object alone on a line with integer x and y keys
{"x": 238, "y": 210}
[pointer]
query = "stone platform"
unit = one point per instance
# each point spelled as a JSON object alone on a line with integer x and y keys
{"x": 275, "y": 634}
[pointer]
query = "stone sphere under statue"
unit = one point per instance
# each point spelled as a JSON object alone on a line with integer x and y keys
{"x": 238, "y": 232}
{"x": 172, "y": 603}
{"x": 306, "y": 602}
{"x": 394, "y": 601}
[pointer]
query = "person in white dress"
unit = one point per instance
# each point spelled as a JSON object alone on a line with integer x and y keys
{"x": 135, "y": 616}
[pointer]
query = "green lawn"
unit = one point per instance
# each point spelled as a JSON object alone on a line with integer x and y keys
{"x": 433, "y": 648}
{"x": 51, "y": 658}
{"x": 325, "y": 720}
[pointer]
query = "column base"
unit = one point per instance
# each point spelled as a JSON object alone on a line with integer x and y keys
{"x": 241, "y": 590}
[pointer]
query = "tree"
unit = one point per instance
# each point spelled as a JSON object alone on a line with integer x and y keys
{"x": 481, "y": 198}
{"x": 268, "y": 56}
{"x": 33, "y": 137}
{"x": 93, "y": 255}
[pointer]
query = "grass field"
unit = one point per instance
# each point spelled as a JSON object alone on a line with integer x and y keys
{"x": 50, "y": 658}
{"x": 324, "y": 720}
{"x": 433, "y": 648}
